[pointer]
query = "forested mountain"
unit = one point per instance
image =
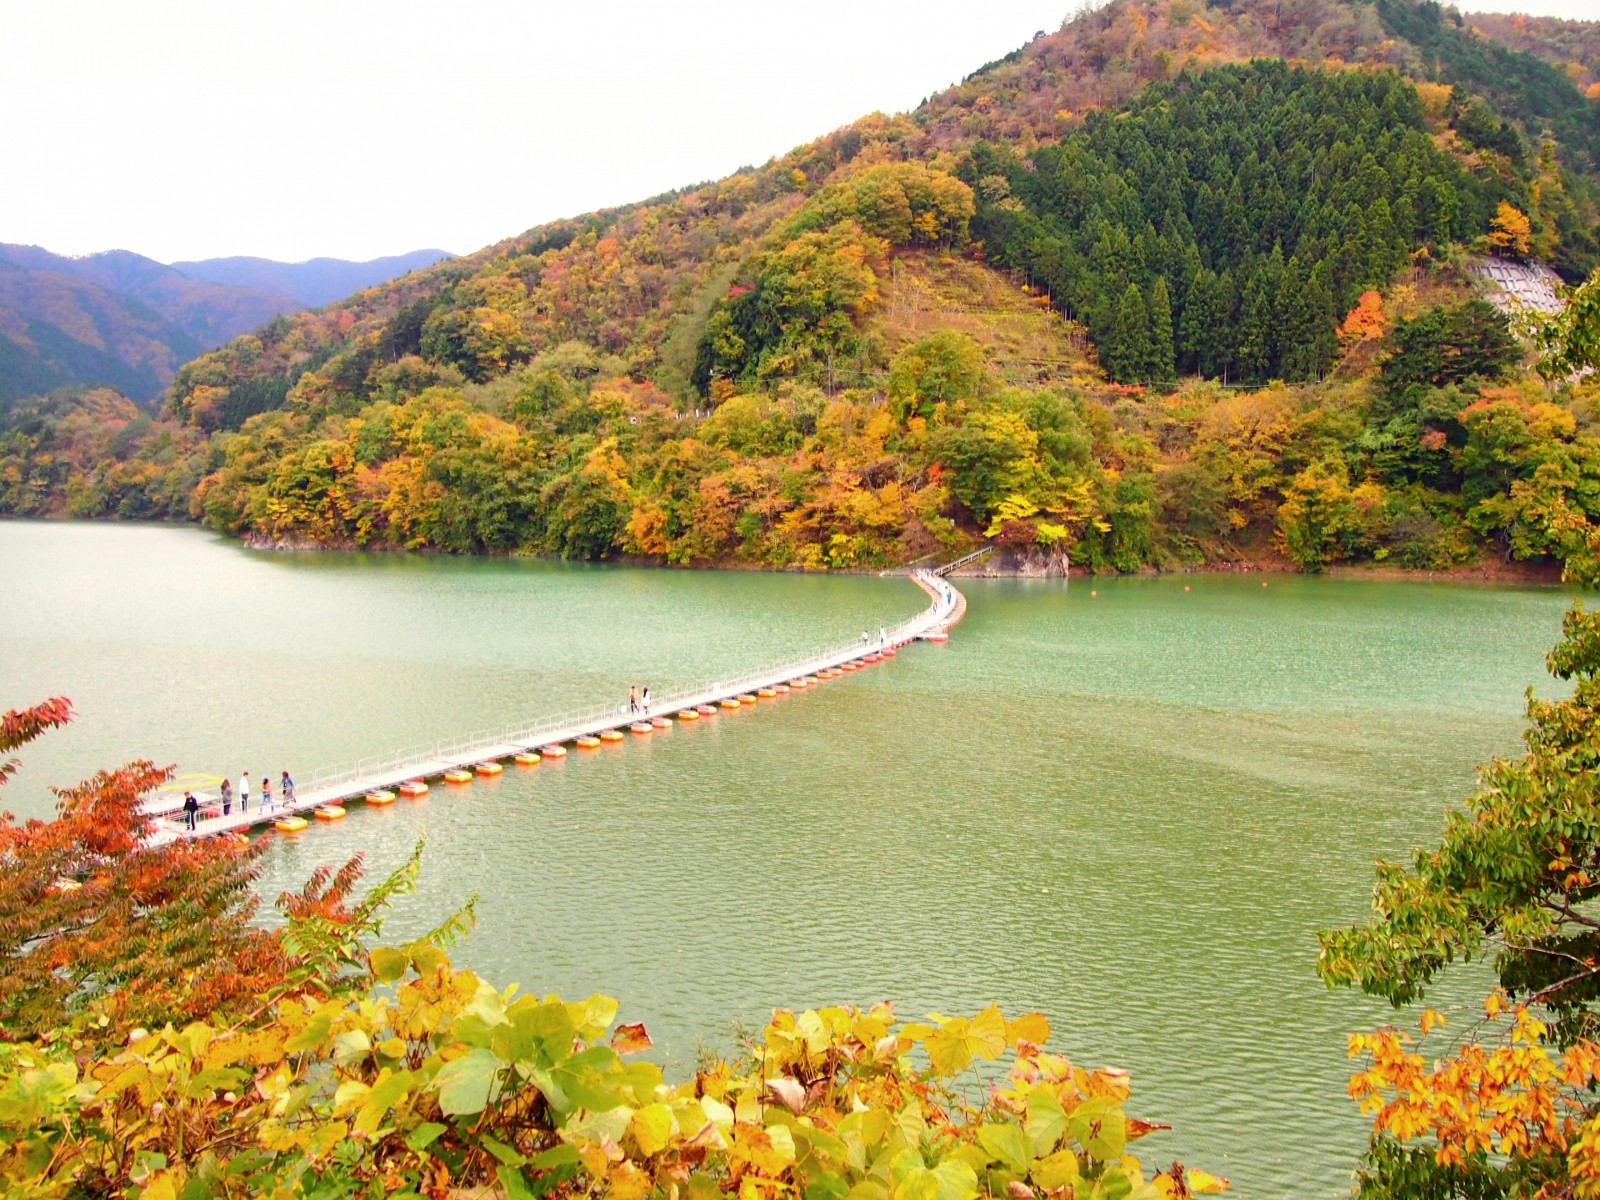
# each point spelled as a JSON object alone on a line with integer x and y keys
{"x": 205, "y": 313}
{"x": 1572, "y": 47}
{"x": 965, "y": 321}
{"x": 312, "y": 283}
{"x": 121, "y": 320}
{"x": 57, "y": 328}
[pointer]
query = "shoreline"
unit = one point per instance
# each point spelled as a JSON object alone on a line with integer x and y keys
{"x": 1539, "y": 574}
{"x": 1484, "y": 571}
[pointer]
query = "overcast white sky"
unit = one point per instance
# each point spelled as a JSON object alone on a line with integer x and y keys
{"x": 197, "y": 128}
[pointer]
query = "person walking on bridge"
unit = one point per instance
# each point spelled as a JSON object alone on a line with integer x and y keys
{"x": 883, "y": 636}
{"x": 644, "y": 700}
{"x": 633, "y": 699}
{"x": 266, "y": 792}
{"x": 190, "y": 807}
{"x": 227, "y": 797}
{"x": 288, "y": 789}
{"x": 244, "y": 791}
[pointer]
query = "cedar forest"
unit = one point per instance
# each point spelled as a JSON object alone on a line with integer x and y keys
{"x": 1136, "y": 294}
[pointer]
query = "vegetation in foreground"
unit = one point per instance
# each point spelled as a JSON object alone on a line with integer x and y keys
{"x": 157, "y": 1044}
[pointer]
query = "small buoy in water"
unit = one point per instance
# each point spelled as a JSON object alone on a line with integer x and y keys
{"x": 414, "y": 787}
{"x": 289, "y": 824}
{"x": 766, "y": 694}
{"x": 1186, "y": 587}
{"x": 706, "y": 710}
{"x": 1263, "y": 583}
{"x": 729, "y": 703}
{"x": 458, "y": 775}
{"x": 330, "y": 812}
{"x": 688, "y": 714}
{"x": 797, "y": 683}
{"x": 782, "y": 689}
{"x": 554, "y": 752}
{"x": 588, "y": 743}
{"x": 641, "y": 727}
{"x": 889, "y": 653}
{"x": 527, "y": 759}
{"x": 488, "y": 768}
{"x": 660, "y": 723}
{"x": 1093, "y": 593}
{"x": 747, "y": 698}
{"x": 379, "y": 797}
{"x": 612, "y": 736}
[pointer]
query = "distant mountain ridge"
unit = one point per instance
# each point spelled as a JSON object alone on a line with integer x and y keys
{"x": 122, "y": 320}
{"x": 313, "y": 283}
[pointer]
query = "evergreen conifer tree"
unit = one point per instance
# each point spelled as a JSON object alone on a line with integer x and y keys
{"x": 1126, "y": 354}
{"x": 1159, "y": 365}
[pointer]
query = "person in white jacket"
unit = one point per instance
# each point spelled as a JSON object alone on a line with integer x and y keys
{"x": 244, "y": 791}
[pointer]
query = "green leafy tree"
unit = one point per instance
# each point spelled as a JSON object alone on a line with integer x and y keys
{"x": 1448, "y": 346}
{"x": 935, "y": 370}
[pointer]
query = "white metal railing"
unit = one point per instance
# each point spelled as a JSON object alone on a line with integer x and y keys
{"x": 964, "y": 560}
{"x": 475, "y": 747}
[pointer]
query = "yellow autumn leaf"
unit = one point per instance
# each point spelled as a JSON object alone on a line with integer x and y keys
{"x": 160, "y": 1187}
{"x": 1430, "y": 1018}
{"x": 1204, "y": 1183}
{"x": 593, "y": 1157}
{"x": 1029, "y": 1027}
{"x": 627, "y": 1182}
{"x": 1055, "y": 1171}
{"x": 652, "y": 1128}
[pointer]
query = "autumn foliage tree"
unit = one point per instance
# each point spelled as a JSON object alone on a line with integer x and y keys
{"x": 1510, "y": 231}
{"x": 1514, "y": 1109}
{"x": 102, "y": 929}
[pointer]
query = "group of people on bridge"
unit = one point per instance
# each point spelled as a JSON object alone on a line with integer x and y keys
{"x": 191, "y": 805}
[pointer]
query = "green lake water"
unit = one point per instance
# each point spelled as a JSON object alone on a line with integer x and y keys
{"x": 1125, "y": 803}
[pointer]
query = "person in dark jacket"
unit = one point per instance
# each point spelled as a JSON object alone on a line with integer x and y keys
{"x": 190, "y": 807}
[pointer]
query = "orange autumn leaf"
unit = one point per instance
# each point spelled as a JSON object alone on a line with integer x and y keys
{"x": 630, "y": 1039}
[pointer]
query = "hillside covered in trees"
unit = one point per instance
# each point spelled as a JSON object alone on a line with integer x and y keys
{"x": 968, "y": 321}
{"x": 118, "y": 319}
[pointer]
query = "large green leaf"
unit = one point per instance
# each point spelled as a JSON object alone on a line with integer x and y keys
{"x": 424, "y": 1135}
{"x": 388, "y": 1091}
{"x": 465, "y": 1083}
{"x": 589, "y": 1079}
{"x": 1046, "y": 1121}
{"x": 1009, "y": 1144}
{"x": 1100, "y": 1128}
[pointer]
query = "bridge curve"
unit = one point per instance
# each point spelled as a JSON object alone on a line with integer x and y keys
{"x": 328, "y": 789}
